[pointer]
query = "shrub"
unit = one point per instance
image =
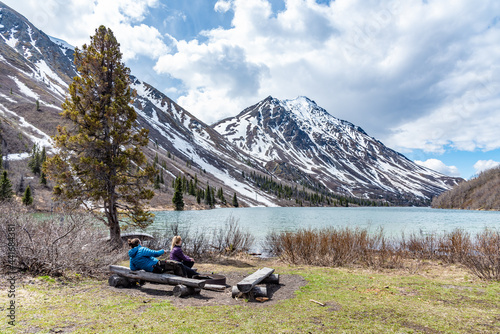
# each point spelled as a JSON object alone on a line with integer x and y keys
{"x": 226, "y": 240}
{"x": 332, "y": 247}
{"x": 54, "y": 245}
{"x": 335, "y": 247}
{"x": 483, "y": 257}
{"x": 231, "y": 238}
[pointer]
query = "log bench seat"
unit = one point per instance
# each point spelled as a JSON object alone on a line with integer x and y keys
{"x": 124, "y": 277}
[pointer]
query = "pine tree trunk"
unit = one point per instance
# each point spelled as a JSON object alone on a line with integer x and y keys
{"x": 114, "y": 226}
{"x": 115, "y": 235}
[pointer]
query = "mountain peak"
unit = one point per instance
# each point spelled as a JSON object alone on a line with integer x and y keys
{"x": 299, "y": 135}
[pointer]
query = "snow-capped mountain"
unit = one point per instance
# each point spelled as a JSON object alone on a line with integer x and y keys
{"x": 297, "y": 137}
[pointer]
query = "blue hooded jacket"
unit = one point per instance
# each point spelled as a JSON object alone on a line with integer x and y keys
{"x": 143, "y": 258}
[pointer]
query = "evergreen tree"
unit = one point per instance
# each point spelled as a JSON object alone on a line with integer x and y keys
{"x": 178, "y": 199}
{"x": 157, "y": 182}
{"x": 35, "y": 163}
{"x": 198, "y": 196}
{"x": 208, "y": 197}
{"x": 20, "y": 187}
{"x": 6, "y": 192}
{"x": 43, "y": 179}
{"x": 235, "y": 201}
{"x": 27, "y": 197}
{"x": 1, "y": 153}
{"x": 100, "y": 164}
{"x": 220, "y": 195}
{"x": 212, "y": 196}
{"x": 43, "y": 155}
{"x": 192, "y": 190}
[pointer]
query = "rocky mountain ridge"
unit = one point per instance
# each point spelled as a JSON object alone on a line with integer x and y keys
{"x": 298, "y": 134}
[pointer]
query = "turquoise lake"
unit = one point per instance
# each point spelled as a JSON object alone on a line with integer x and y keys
{"x": 394, "y": 220}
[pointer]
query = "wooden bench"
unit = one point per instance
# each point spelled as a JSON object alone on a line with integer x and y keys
{"x": 125, "y": 277}
{"x": 248, "y": 288}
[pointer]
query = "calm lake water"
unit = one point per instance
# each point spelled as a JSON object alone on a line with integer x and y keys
{"x": 261, "y": 221}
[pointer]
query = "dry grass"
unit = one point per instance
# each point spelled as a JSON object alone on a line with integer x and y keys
{"x": 339, "y": 247}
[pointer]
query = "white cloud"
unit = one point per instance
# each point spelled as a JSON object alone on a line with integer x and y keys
{"x": 222, "y": 6}
{"x": 483, "y": 165}
{"x": 140, "y": 40}
{"x": 439, "y": 166}
{"x": 76, "y": 20}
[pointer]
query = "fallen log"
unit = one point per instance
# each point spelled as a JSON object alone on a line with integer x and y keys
{"x": 159, "y": 278}
{"x": 247, "y": 284}
{"x": 214, "y": 287}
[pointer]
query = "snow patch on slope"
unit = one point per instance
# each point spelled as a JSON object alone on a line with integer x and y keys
{"x": 24, "y": 89}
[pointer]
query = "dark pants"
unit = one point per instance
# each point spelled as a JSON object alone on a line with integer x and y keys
{"x": 187, "y": 267}
{"x": 163, "y": 266}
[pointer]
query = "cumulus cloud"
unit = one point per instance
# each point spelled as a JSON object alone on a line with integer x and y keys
{"x": 483, "y": 165}
{"x": 75, "y": 21}
{"x": 417, "y": 75}
{"x": 222, "y": 6}
{"x": 439, "y": 166}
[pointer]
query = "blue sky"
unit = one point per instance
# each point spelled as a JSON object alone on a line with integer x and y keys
{"x": 423, "y": 77}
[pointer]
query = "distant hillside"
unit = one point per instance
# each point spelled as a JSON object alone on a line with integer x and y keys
{"x": 479, "y": 193}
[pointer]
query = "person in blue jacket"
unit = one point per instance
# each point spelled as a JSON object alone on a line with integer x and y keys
{"x": 145, "y": 258}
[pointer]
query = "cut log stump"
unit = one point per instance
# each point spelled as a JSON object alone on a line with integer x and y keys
{"x": 257, "y": 291}
{"x": 271, "y": 279}
{"x": 182, "y": 290}
{"x": 118, "y": 281}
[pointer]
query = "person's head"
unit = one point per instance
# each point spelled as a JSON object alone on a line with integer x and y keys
{"x": 134, "y": 242}
{"x": 176, "y": 241}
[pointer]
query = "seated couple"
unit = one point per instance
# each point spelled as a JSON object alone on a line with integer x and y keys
{"x": 145, "y": 258}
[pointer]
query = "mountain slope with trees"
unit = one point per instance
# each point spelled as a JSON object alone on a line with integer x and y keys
{"x": 479, "y": 193}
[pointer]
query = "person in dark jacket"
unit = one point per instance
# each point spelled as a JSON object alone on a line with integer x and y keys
{"x": 177, "y": 254}
{"x": 145, "y": 258}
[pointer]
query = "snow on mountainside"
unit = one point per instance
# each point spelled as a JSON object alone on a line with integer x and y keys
{"x": 299, "y": 135}
{"x": 177, "y": 131}
{"x": 35, "y": 73}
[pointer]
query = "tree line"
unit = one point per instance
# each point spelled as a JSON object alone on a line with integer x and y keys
{"x": 479, "y": 193}
{"x": 313, "y": 194}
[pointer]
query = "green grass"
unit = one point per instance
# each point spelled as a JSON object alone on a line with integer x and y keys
{"x": 438, "y": 300}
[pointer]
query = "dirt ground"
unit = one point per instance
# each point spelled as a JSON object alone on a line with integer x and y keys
{"x": 286, "y": 288}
